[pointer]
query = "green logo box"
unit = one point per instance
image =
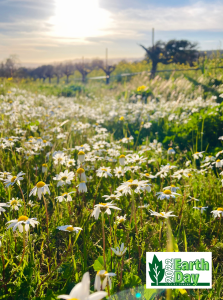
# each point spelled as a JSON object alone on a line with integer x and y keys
{"x": 174, "y": 270}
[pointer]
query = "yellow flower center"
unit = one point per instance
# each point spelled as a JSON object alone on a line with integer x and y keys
{"x": 70, "y": 162}
{"x": 64, "y": 178}
{"x": 23, "y": 218}
{"x": 162, "y": 214}
{"x": 39, "y": 138}
{"x": 130, "y": 180}
{"x": 14, "y": 202}
{"x": 30, "y": 137}
{"x": 170, "y": 148}
{"x": 102, "y": 276}
{"x": 104, "y": 169}
{"x": 220, "y": 209}
{"x": 167, "y": 192}
{"x": 172, "y": 185}
{"x": 218, "y": 160}
{"x": 59, "y": 159}
{"x": 44, "y": 165}
{"x": 70, "y": 228}
{"x": 189, "y": 175}
{"x": 80, "y": 170}
{"x": 81, "y": 153}
{"x": 40, "y": 184}
{"x": 147, "y": 174}
{"x": 13, "y": 178}
{"x": 121, "y": 118}
{"x": 121, "y": 220}
{"x": 104, "y": 204}
{"x": 11, "y": 140}
{"x": 44, "y": 141}
{"x": 122, "y": 156}
{"x": 200, "y": 206}
{"x": 196, "y": 152}
{"x": 64, "y": 194}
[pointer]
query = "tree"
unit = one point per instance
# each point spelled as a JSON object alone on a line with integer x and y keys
{"x": 174, "y": 51}
{"x": 10, "y": 65}
{"x": 108, "y": 69}
{"x": 49, "y": 72}
{"x": 68, "y": 69}
{"x": 58, "y": 71}
{"x": 84, "y": 69}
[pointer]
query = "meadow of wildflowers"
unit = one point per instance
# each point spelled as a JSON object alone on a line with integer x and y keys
{"x": 91, "y": 183}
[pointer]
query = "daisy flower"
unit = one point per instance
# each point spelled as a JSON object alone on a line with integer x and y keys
{"x": 64, "y": 197}
{"x": 64, "y": 178}
{"x": 82, "y": 188}
{"x": 218, "y": 163}
{"x": 14, "y": 203}
{"x": 59, "y": 158}
{"x": 133, "y": 185}
{"x": 13, "y": 179}
{"x": 112, "y": 197}
{"x": 147, "y": 175}
{"x": 162, "y": 214}
{"x": 167, "y": 194}
{"x": 202, "y": 209}
{"x": 70, "y": 162}
{"x": 101, "y": 280}
{"x": 119, "y": 172}
{"x": 22, "y": 221}
{"x": 81, "y": 174}
{"x": 1, "y": 207}
{"x": 192, "y": 198}
{"x": 81, "y": 291}
{"x": 104, "y": 172}
{"x": 172, "y": 187}
{"x": 44, "y": 168}
{"x": 119, "y": 251}
{"x": 103, "y": 207}
{"x": 81, "y": 156}
{"x": 171, "y": 151}
{"x": 40, "y": 188}
{"x": 69, "y": 228}
{"x": 218, "y": 212}
{"x": 197, "y": 155}
{"x": 122, "y": 160}
{"x": 144, "y": 206}
{"x": 120, "y": 219}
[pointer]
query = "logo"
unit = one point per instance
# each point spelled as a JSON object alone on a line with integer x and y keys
{"x": 175, "y": 270}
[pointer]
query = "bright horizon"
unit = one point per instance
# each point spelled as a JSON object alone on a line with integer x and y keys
{"x": 62, "y": 30}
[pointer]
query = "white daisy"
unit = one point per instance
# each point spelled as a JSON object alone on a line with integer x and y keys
{"x": 101, "y": 280}
{"x": 69, "y": 228}
{"x": 167, "y": 194}
{"x": 104, "y": 172}
{"x": 119, "y": 251}
{"x": 105, "y": 207}
{"x": 81, "y": 291}
{"x": 13, "y": 179}
{"x": 22, "y": 221}
{"x": 14, "y": 203}
{"x": 40, "y": 188}
{"x": 1, "y": 207}
{"x": 64, "y": 197}
{"x": 64, "y": 178}
{"x": 201, "y": 208}
{"x": 162, "y": 214}
{"x": 82, "y": 187}
{"x": 218, "y": 212}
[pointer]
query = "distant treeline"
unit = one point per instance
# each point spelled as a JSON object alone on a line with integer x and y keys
{"x": 175, "y": 52}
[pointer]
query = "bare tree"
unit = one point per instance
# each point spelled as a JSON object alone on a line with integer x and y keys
{"x": 49, "y": 72}
{"x": 68, "y": 69}
{"x": 84, "y": 69}
{"x": 108, "y": 69}
{"x": 10, "y": 65}
{"x": 58, "y": 71}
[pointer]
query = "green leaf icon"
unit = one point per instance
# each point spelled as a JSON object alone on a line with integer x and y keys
{"x": 156, "y": 272}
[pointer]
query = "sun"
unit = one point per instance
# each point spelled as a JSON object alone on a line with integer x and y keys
{"x": 79, "y": 19}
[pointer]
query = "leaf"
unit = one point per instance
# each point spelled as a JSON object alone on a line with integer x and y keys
{"x": 149, "y": 294}
{"x": 156, "y": 272}
{"x": 98, "y": 264}
{"x": 185, "y": 240}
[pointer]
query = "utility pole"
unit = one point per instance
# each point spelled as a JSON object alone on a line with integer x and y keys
{"x": 153, "y": 37}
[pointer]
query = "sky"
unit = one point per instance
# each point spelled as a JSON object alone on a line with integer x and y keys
{"x": 59, "y": 30}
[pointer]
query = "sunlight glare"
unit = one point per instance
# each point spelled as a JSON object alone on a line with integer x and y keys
{"x": 79, "y": 19}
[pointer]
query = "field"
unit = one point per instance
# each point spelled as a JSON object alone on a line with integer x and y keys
{"x": 137, "y": 162}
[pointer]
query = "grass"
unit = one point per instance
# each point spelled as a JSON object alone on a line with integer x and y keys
{"x": 179, "y": 112}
